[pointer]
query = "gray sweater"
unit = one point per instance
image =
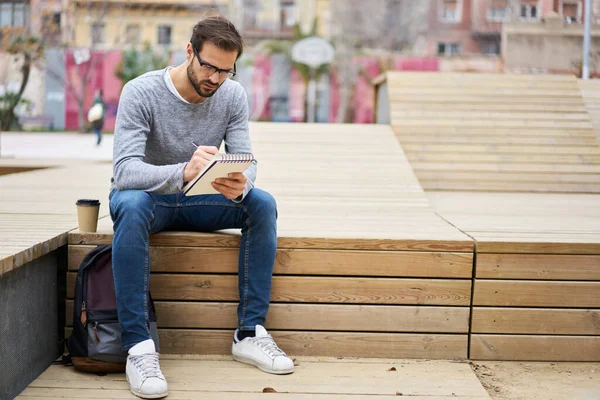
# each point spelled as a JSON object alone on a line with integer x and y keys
{"x": 155, "y": 129}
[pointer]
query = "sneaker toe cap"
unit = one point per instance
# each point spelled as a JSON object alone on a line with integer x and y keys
{"x": 283, "y": 364}
{"x": 154, "y": 386}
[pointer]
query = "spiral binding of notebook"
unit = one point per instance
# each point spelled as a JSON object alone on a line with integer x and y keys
{"x": 241, "y": 157}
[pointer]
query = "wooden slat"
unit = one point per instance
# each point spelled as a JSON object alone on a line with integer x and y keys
{"x": 494, "y": 131}
{"x": 539, "y": 321}
{"x": 497, "y": 177}
{"x": 191, "y": 239}
{"x": 322, "y": 379}
{"x": 557, "y": 168}
{"x": 533, "y": 244}
{"x": 536, "y": 293}
{"x": 536, "y": 266}
{"x": 401, "y": 112}
{"x": 505, "y": 186}
{"x": 306, "y": 262}
{"x": 295, "y": 289}
{"x": 464, "y": 140}
{"x": 535, "y": 348}
{"x": 330, "y": 344}
{"x": 312, "y": 317}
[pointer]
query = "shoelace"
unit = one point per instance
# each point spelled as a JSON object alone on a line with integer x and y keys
{"x": 148, "y": 365}
{"x": 268, "y": 345}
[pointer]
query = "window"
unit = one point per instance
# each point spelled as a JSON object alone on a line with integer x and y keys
{"x": 288, "y": 13}
{"x": 132, "y": 34}
{"x": 529, "y": 9}
{"x": 448, "y": 49}
{"x": 571, "y": 12}
{"x": 50, "y": 27}
{"x": 498, "y": 11}
{"x": 98, "y": 34}
{"x": 450, "y": 11}
{"x": 251, "y": 10}
{"x": 490, "y": 48}
{"x": 14, "y": 14}
{"x": 164, "y": 35}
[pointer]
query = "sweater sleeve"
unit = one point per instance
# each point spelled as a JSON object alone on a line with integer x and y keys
{"x": 237, "y": 138}
{"x": 132, "y": 128}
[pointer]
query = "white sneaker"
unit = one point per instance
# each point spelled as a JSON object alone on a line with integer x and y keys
{"x": 263, "y": 352}
{"x": 143, "y": 372}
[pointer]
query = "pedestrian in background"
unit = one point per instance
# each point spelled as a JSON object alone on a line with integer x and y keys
{"x": 96, "y": 116}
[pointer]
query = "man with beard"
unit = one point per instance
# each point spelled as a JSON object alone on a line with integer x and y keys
{"x": 170, "y": 123}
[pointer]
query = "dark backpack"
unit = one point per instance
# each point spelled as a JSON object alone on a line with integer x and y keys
{"x": 95, "y": 343}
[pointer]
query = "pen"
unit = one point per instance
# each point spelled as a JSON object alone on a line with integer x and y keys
{"x": 195, "y": 144}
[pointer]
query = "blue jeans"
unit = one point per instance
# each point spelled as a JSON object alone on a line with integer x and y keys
{"x": 98, "y": 132}
{"x": 137, "y": 214}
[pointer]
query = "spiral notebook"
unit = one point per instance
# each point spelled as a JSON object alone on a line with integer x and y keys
{"x": 219, "y": 167}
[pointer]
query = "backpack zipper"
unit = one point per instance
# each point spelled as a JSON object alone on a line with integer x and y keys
{"x": 83, "y": 314}
{"x": 96, "y": 338}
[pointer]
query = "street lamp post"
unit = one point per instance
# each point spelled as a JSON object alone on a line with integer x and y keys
{"x": 585, "y": 70}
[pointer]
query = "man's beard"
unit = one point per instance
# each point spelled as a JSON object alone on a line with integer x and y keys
{"x": 197, "y": 84}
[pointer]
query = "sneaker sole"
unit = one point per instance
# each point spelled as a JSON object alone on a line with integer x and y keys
{"x": 146, "y": 396}
{"x": 264, "y": 369}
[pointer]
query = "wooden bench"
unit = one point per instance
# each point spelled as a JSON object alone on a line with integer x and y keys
{"x": 364, "y": 267}
{"x": 536, "y": 292}
{"x": 38, "y": 121}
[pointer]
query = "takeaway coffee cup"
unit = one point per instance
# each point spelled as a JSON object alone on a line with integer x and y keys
{"x": 87, "y": 214}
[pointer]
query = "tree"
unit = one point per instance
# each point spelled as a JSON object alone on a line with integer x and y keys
{"x": 134, "y": 63}
{"x": 17, "y": 42}
{"x": 386, "y": 25}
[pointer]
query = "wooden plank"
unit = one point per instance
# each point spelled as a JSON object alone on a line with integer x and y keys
{"x": 399, "y": 103}
{"x": 470, "y": 167}
{"x": 542, "y": 177}
{"x": 306, "y": 262}
{"x": 453, "y": 139}
{"x": 536, "y": 293}
{"x": 517, "y": 123}
{"x": 454, "y": 292}
{"x": 508, "y": 186}
{"x": 539, "y": 321}
{"x": 230, "y": 379}
{"x": 196, "y": 239}
{"x": 312, "y": 317}
{"x": 494, "y": 131}
{"x": 508, "y": 158}
{"x": 538, "y": 266}
{"x": 501, "y": 149}
{"x": 78, "y": 394}
{"x": 403, "y": 113}
{"x": 329, "y": 344}
{"x": 535, "y": 244}
{"x": 535, "y": 348}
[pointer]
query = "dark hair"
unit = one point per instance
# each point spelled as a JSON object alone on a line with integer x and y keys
{"x": 219, "y": 31}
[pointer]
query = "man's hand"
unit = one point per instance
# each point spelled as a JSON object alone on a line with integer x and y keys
{"x": 232, "y": 186}
{"x": 201, "y": 157}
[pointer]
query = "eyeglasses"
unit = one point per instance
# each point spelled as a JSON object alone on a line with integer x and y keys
{"x": 211, "y": 69}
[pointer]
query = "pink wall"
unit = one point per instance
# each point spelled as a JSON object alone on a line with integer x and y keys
{"x": 104, "y": 78}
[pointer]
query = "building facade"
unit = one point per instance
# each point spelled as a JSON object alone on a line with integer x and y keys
{"x": 464, "y": 27}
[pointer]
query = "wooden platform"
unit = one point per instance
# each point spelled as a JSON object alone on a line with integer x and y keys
{"x": 37, "y": 208}
{"x": 495, "y": 132}
{"x": 319, "y": 379}
{"x": 537, "y": 276}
